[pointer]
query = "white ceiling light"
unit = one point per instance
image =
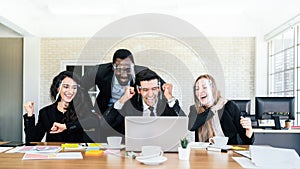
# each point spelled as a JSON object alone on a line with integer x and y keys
{"x": 82, "y": 7}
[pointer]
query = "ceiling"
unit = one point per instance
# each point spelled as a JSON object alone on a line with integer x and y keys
{"x": 83, "y": 18}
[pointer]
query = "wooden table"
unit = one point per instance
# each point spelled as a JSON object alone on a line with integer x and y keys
{"x": 198, "y": 159}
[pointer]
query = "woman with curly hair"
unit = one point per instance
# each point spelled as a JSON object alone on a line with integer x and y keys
{"x": 59, "y": 120}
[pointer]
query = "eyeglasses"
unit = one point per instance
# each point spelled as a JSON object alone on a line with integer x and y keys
{"x": 148, "y": 89}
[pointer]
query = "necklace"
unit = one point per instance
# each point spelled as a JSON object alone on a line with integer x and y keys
{"x": 62, "y": 106}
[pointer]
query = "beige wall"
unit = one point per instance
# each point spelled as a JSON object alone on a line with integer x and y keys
{"x": 11, "y": 69}
{"x": 171, "y": 58}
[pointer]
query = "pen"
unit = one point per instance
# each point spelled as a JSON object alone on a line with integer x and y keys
{"x": 216, "y": 149}
{"x": 84, "y": 144}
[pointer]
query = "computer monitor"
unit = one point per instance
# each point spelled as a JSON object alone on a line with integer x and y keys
{"x": 245, "y": 108}
{"x": 244, "y": 105}
{"x": 275, "y": 108}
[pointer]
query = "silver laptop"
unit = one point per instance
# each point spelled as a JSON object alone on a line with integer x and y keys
{"x": 161, "y": 131}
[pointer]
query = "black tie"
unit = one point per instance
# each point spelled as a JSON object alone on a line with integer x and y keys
{"x": 151, "y": 110}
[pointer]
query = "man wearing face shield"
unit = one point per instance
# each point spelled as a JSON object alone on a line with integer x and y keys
{"x": 111, "y": 80}
{"x": 146, "y": 98}
{"x": 212, "y": 115}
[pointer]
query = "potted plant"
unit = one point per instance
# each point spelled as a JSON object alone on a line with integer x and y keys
{"x": 184, "y": 150}
{"x": 184, "y": 142}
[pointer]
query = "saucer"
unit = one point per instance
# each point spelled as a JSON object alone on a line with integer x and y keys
{"x": 198, "y": 145}
{"x": 143, "y": 157}
{"x": 106, "y": 146}
{"x": 225, "y": 147}
{"x": 153, "y": 161}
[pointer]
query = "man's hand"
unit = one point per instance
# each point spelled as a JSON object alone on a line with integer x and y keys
{"x": 167, "y": 89}
{"x": 128, "y": 94}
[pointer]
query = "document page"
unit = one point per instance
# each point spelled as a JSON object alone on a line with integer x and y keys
{"x": 28, "y": 149}
{"x": 52, "y": 156}
{"x": 269, "y": 157}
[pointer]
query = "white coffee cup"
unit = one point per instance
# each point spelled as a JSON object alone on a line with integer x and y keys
{"x": 114, "y": 141}
{"x": 151, "y": 151}
{"x": 219, "y": 140}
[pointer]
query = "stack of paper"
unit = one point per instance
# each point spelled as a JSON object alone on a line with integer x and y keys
{"x": 268, "y": 157}
{"x": 2, "y": 149}
{"x": 33, "y": 149}
{"x": 52, "y": 156}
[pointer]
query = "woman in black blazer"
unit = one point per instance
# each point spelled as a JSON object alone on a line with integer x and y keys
{"x": 213, "y": 115}
{"x": 59, "y": 121}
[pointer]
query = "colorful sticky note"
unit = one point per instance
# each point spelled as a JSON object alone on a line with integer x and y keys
{"x": 94, "y": 153}
{"x": 238, "y": 148}
{"x": 69, "y": 145}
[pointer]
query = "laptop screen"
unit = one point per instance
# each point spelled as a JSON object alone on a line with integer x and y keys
{"x": 159, "y": 131}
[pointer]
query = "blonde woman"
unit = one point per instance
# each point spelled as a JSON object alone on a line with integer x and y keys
{"x": 212, "y": 115}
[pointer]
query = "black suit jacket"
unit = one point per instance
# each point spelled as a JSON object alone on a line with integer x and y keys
{"x": 134, "y": 107}
{"x": 101, "y": 76}
{"x": 47, "y": 116}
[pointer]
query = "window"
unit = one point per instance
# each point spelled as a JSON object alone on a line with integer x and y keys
{"x": 79, "y": 68}
{"x": 284, "y": 66}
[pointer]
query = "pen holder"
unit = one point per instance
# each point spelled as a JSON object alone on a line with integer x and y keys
{"x": 184, "y": 153}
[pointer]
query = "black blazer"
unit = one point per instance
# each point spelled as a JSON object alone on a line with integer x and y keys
{"x": 101, "y": 76}
{"x": 134, "y": 107}
{"x": 230, "y": 123}
{"x": 47, "y": 116}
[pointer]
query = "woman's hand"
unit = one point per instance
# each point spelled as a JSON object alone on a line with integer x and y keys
{"x": 246, "y": 123}
{"x": 58, "y": 128}
{"x": 29, "y": 108}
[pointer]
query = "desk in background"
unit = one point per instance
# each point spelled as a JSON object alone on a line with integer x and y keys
{"x": 198, "y": 159}
{"x": 278, "y": 138}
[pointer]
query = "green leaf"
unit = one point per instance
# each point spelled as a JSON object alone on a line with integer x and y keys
{"x": 184, "y": 142}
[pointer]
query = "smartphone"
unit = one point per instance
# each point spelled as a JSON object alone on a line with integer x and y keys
{"x": 244, "y": 114}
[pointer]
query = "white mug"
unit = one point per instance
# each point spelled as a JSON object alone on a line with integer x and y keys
{"x": 114, "y": 141}
{"x": 219, "y": 140}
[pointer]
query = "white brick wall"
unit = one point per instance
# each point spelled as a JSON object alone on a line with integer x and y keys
{"x": 171, "y": 58}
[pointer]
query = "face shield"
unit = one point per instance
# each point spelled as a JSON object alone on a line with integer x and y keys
{"x": 67, "y": 85}
{"x": 124, "y": 72}
{"x": 204, "y": 92}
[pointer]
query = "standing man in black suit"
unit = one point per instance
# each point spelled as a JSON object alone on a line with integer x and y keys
{"x": 111, "y": 79}
{"x": 146, "y": 98}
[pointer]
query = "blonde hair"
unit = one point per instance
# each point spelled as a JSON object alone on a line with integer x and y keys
{"x": 215, "y": 92}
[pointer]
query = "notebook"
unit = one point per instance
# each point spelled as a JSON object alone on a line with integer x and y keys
{"x": 160, "y": 131}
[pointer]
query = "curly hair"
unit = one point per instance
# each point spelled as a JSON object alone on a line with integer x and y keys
{"x": 55, "y": 96}
{"x": 122, "y": 54}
